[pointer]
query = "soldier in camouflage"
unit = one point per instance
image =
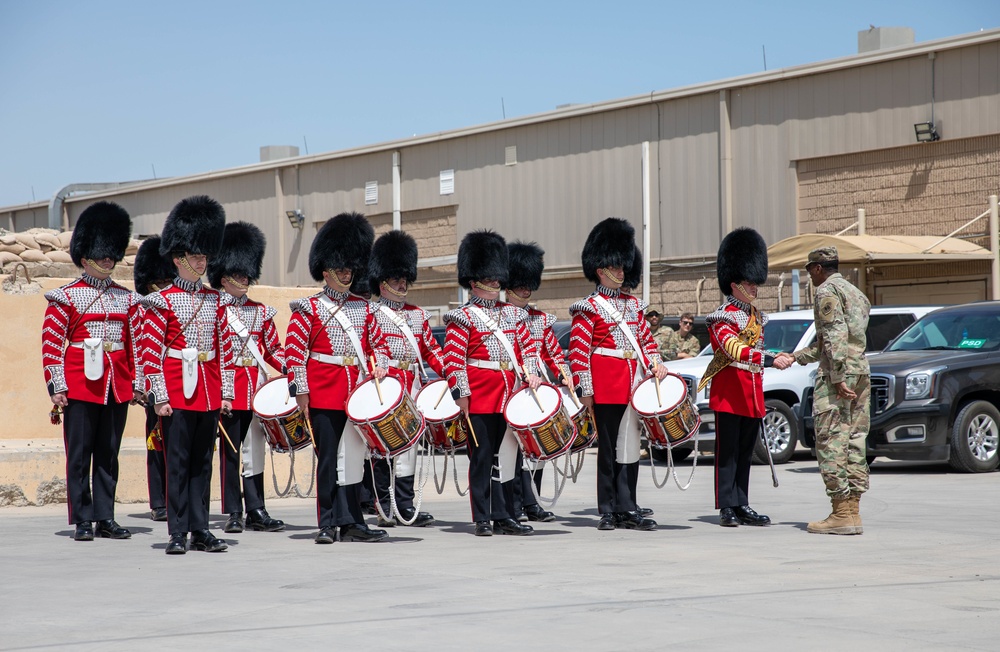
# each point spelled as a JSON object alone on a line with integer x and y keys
{"x": 841, "y": 399}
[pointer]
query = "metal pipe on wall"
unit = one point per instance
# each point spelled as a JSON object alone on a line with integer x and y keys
{"x": 995, "y": 248}
{"x": 397, "y": 197}
{"x": 646, "y": 209}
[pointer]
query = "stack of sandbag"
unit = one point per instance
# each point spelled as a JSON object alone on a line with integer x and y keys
{"x": 45, "y": 252}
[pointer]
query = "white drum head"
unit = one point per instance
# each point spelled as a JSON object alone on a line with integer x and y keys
{"x": 522, "y": 410}
{"x": 429, "y": 395}
{"x": 571, "y": 408}
{"x": 273, "y": 399}
{"x": 364, "y": 405}
{"x": 673, "y": 389}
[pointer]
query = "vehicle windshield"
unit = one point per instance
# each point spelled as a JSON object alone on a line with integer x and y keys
{"x": 784, "y": 334}
{"x": 951, "y": 331}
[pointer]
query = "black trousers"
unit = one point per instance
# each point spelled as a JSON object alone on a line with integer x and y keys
{"x": 335, "y": 504}
{"x": 92, "y": 434}
{"x": 237, "y": 424}
{"x": 490, "y": 499}
{"x": 380, "y": 486}
{"x": 156, "y": 466}
{"x": 735, "y": 437}
{"x": 616, "y": 483}
{"x": 521, "y": 486}
{"x": 189, "y": 440}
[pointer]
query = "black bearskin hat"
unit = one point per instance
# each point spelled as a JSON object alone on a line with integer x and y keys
{"x": 742, "y": 257}
{"x": 394, "y": 255}
{"x": 195, "y": 226}
{"x": 361, "y": 285}
{"x": 150, "y": 266}
{"x": 344, "y": 242}
{"x": 526, "y": 265}
{"x": 633, "y": 275}
{"x": 102, "y": 231}
{"x": 242, "y": 253}
{"x": 610, "y": 244}
{"x": 482, "y": 255}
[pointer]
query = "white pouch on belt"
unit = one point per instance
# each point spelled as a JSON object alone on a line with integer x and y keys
{"x": 189, "y": 370}
{"x": 406, "y": 464}
{"x": 93, "y": 358}
{"x": 508, "y": 456}
{"x": 629, "y": 435}
{"x": 351, "y": 456}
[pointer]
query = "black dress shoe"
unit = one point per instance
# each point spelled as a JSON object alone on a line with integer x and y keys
{"x": 536, "y": 513}
{"x": 327, "y": 535}
{"x": 177, "y": 544}
{"x": 483, "y": 529}
{"x": 158, "y": 514}
{"x": 259, "y": 520}
{"x": 747, "y": 516}
{"x": 632, "y": 521}
{"x": 235, "y": 523}
{"x": 608, "y": 522}
{"x": 84, "y": 531}
{"x": 727, "y": 518}
{"x": 521, "y": 517}
{"x": 361, "y": 532}
{"x": 205, "y": 540}
{"x": 108, "y": 529}
{"x": 423, "y": 518}
{"x": 510, "y": 526}
{"x": 644, "y": 511}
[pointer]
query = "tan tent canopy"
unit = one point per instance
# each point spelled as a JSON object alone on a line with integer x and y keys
{"x": 873, "y": 250}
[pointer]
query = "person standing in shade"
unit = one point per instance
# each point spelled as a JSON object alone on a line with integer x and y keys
{"x": 842, "y": 396}
{"x": 254, "y": 341}
{"x": 89, "y": 342}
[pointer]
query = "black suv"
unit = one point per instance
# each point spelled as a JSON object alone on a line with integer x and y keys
{"x": 936, "y": 390}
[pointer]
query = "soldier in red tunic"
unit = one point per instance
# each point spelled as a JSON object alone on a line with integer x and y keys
{"x": 89, "y": 337}
{"x": 392, "y": 271}
{"x": 605, "y": 365}
{"x": 152, "y": 273}
{"x": 185, "y": 353}
{"x": 736, "y": 329}
{"x": 254, "y": 342}
{"x": 525, "y": 276}
{"x": 487, "y": 346}
{"x": 325, "y": 365}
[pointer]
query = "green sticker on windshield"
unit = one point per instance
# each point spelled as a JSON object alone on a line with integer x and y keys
{"x": 971, "y": 344}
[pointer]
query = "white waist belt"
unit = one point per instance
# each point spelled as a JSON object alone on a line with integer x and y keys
{"x": 342, "y": 360}
{"x": 753, "y": 368}
{"x": 503, "y": 365}
{"x": 245, "y": 362}
{"x": 203, "y": 356}
{"x": 624, "y": 354}
{"x": 401, "y": 364}
{"x": 107, "y": 346}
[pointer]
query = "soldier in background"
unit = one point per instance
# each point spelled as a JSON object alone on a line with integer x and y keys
{"x": 680, "y": 343}
{"x": 841, "y": 398}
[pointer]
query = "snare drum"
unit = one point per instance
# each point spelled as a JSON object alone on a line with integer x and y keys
{"x": 446, "y": 428}
{"x": 542, "y": 433}
{"x": 673, "y": 419}
{"x": 586, "y": 429}
{"x": 390, "y": 426}
{"x": 279, "y": 414}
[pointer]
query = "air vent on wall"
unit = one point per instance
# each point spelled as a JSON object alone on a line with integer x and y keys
{"x": 447, "y": 182}
{"x": 371, "y": 193}
{"x": 510, "y": 155}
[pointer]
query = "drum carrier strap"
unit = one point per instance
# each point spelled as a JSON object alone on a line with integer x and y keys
{"x": 626, "y": 330}
{"x": 407, "y": 333}
{"x": 244, "y": 334}
{"x": 348, "y": 328}
{"x": 501, "y": 337}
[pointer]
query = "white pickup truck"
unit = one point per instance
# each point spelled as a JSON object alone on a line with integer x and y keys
{"x": 785, "y": 331}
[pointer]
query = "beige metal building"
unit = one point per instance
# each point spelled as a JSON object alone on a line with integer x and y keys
{"x": 789, "y": 151}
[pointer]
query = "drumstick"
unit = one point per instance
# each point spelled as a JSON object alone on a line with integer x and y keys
{"x": 226, "y": 434}
{"x": 444, "y": 391}
{"x": 378, "y": 386}
{"x": 656, "y": 383}
{"x": 572, "y": 394}
{"x": 472, "y": 431}
{"x": 538, "y": 402}
{"x": 310, "y": 429}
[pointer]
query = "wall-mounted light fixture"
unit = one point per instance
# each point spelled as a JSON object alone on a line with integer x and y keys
{"x": 926, "y": 133}
{"x": 296, "y": 218}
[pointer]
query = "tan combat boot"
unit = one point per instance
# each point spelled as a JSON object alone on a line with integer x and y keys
{"x": 855, "y": 503}
{"x": 840, "y": 521}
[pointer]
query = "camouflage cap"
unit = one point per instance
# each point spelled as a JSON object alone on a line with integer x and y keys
{"x": 823, "y": 255}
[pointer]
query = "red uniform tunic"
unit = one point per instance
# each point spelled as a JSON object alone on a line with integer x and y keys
{"x": 540, "y": 327}
{"x": 607, "y": 378}
{"x": 313, "y": 330}
{"x": 468, "y": 338}
{"x": 186, "y": 314}
{"x": 91, "y": 307}
{"x": 259, "y": 320}
{"x": 400, "y": 350}
{"x": 738, "y": 388}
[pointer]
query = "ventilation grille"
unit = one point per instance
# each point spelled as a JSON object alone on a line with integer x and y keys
{"x": 510, "y": 155}
{"x": 447, "y": 182}
{"x": 371, "y": 193}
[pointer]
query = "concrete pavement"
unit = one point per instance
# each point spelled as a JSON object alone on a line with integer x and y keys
{"x": 923, "y": 576}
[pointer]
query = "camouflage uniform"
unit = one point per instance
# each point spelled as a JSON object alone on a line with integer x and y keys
{"x": 689, "y": 345}
{"x": 665, "y": 338}
{"x": 841, "y": 317}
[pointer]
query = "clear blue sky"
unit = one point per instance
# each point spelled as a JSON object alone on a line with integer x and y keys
{"x": 105, "y": 91}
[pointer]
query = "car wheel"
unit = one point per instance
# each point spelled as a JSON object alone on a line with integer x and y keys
{"x": 975, "y": 437}
{"x": 782, "y": 431}
{"x": 679, "y": 454}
